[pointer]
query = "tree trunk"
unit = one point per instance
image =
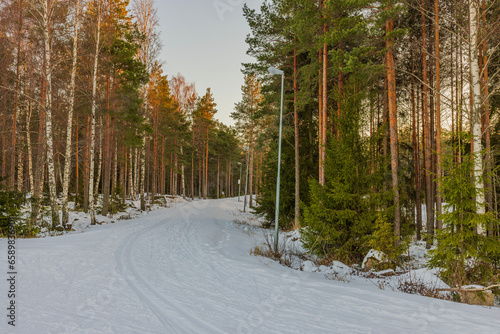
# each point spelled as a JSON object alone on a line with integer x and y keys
{"x": 320, "y": 116}
{"x": 218, "y": 174}
{"x": 324, "y": 105}
{"x": 93, "y": 119}
{"x": 69, "y": 127}
{"x": 439, "y": 223}
{"x": 476, "y": 112}
{"x": 143, "y": 174}
{"x": 251, "y": 169}
{"x": 205, "y": 194}
{"x": 183, "y": 177}
{"x": 393, "y": 122}
{"x": 20, "y": 155}
{"x": 192, "y": 167}
{"x": 30, "y": 150}
{"x": 416, "y": 155}
{"x": 48, "y": 113}
{"x": 86, "y": 169}
{"x": 427, "y": 145}
{"x": 486, "y": 120}
{"x": 297, "y": 151}
{"x": 107, "y": 167}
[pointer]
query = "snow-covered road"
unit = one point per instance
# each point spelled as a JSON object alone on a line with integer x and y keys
{"x": 187, "y": 269}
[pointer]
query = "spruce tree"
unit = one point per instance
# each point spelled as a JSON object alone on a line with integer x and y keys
{"x": 464, "y": 255}
{"x": 342, "y": 213}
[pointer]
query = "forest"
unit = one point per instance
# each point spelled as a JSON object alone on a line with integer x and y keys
{"x": 89, "y": 118}
{"x": 390, "y": 127}
{"x": 390, "y": 124}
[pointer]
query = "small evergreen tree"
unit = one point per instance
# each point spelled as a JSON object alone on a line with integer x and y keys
{"x": 342, "y": 213}
{"x": 10, "y": 208}
{"x": 463, "y": 255}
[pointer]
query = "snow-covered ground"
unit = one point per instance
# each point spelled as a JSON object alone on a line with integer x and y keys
{"x": 188, "y": 269}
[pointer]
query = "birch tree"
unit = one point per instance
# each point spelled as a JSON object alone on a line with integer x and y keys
{"x": 43, "y": 9}
{"x": 70, "y": 110}
{"x": 476, "y": 108}
{"x": 97, "y": 7}
{"x": 147, "y": 23}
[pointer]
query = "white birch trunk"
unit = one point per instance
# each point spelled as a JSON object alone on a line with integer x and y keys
{"x": 92, "y": 122}
{"x": 143, "y": 174}
{"x": 20, "y": 156}
{"x": 476, "y": 112}
{"x": 99, "y": 161}
{"x": 69, "y": 127}
{"x": 48, "y": 115}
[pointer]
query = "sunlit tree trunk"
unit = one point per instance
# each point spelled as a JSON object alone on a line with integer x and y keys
{"x": 416, "y": 150}
{"x": 93, "y": 117}
{"x": 324, "y": 117}
{"x": 476, "y": 112}
{"x": 69, "y": 127}
{"x": 427, "y": 145}
{"x": 48, "y": 112}
{"x": 438, "y": 116}
{"x": 393, "y": 125}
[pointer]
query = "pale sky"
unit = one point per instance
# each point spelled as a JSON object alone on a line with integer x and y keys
{"x": 204, "y": 40}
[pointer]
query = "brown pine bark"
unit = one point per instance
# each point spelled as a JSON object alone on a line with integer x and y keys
{"x": 486, "y": 117}
{"x": 324, "y": 106}
{"x": 439, "y": 223}
{"x": 320, "y": 115}
{"x": 107, "y": 151}
{"x": 393, "y": 125}
{"x": 427, "y": 139}
{"x": 416, "y": 150}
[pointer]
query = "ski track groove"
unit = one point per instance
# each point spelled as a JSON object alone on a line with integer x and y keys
{"x": 126, "y": 265}
{"x": 124, "y": 260}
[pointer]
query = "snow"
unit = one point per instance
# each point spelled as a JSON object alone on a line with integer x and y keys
{"x": 188, "y": 269}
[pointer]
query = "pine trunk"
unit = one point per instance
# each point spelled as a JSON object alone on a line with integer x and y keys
{"x": 393, "y": 125}
{"x": 427, "y": 144}
{"x": 416, "y": 155}
{"x": 439, "y": 200}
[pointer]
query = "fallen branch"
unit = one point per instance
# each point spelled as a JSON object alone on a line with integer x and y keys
{"x": 471, "y": 290}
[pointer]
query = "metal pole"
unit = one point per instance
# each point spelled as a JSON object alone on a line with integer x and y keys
{"x": 277, "y": 211}
{"x": 246, "y": 183}
{"x": 239, "y": 183}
